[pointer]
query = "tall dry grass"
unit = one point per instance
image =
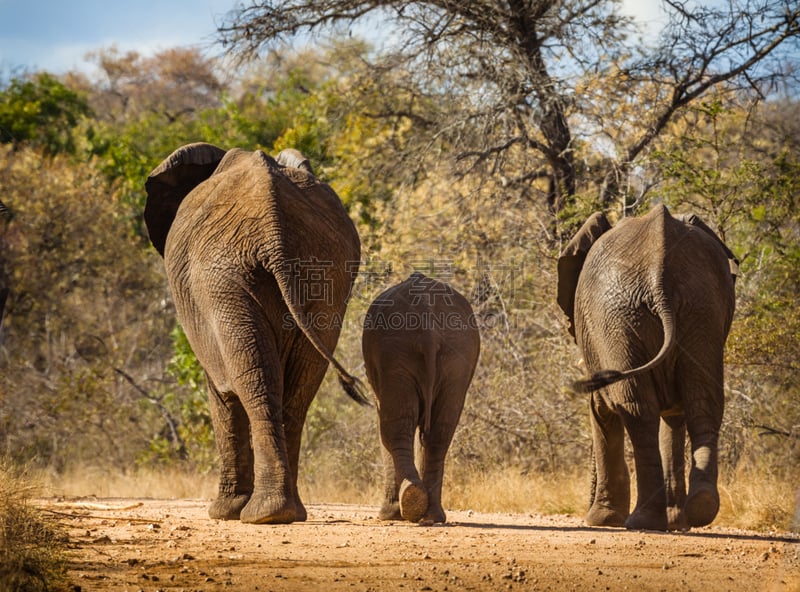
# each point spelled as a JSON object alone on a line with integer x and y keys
{"x": 749, "y": 499}
{"x": 165, "y": 483}
{"x": 510, "y": 489}
{"x": 31, "y": 546}
{"x": 761, "y": 501}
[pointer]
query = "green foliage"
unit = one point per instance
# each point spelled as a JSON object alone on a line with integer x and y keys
{"x": 184, "y": 366}
{"x": 90, "y": 337}
{"x": 187, "y": 406}
{"x": 269, "y": 107}
{"x": 42, "y": 112}
{"x": 127, "y": 153}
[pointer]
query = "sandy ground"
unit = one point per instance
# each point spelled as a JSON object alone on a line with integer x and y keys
{"x": 149, "y": 545}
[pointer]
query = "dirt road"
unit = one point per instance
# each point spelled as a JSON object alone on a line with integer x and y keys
{"x": 151, "y": 545}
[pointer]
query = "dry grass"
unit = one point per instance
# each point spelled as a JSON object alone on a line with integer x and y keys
{"x": 31, "y": 547}
{"x": 169, "y": 483}
{"x": 512, "y": 490}
{"x": 333, "y": 488}
{"x": 749, "y": 499}
{"x": 753, "y": 500}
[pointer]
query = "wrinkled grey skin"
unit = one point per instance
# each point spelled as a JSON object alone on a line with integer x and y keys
{"x": 651, "y": 302}
{"x": 260, "y": 258}
{"x": 421, "y": 345}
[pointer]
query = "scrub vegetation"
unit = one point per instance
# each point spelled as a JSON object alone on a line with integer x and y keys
{"x": 467, "y": 148}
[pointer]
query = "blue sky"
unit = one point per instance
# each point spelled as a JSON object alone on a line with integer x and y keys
{"x": 55, "y": 35}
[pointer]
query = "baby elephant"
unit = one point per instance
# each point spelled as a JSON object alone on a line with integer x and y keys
{"x": 421, "y": 345}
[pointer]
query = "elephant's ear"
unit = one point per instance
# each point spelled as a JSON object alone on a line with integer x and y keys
{"x": 171, "y": 181}
{"x": 291, "y": 157}
{"x": 733, "y": 262}
{"x": 570, "y": 262}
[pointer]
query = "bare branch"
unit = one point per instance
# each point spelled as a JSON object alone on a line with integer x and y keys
{"x": 770, "y": 431}
{"x": 502, "y": 75}
{"x": 699, "y": 60}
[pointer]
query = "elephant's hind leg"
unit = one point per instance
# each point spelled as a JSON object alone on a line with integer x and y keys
{"x": 254, "y": 367}
{"x": 672, "y": 440}
{"x": 302, "y": 380}
{"x": 650, "y": 512}
{"x": 232, "y": 433}
{"x": 611, "y": 496}
{"x": 274, "y": 497}
{"x": 398, "y": 419}
{"x": 406, "y": 500}
{"x": 704, "y": 406}
{"x": 702, "y": 503}
{"x": 390, "y": 507}
{"x": 445, "y": 413}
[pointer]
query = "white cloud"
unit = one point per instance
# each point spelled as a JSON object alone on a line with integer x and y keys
{"x": 648, "y": 14}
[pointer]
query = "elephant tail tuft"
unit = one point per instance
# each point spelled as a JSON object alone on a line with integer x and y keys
{"x": 355, "y": 389}
{"x": 598, "y": 381}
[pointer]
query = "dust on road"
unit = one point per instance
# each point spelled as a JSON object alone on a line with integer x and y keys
{"x": 150, "y": 545}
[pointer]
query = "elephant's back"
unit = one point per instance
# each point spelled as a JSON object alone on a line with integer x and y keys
{"x": 422, "y": 314}
{"x": 422, "y": 331}
{"x": 616, "y": 294}
{"x": 235, "y": 231}
{"x": 237, "y": 216}
{"x": 629, "y": 260}
{"x": 648, "y": 264}
{"x": 319, "y": 224}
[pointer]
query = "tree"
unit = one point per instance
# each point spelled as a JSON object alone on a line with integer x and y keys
{"x": 5, "y": 216}
{"x": 41, "y": 111}
{"x": 87, "y": 322}
{"x": 513, "y": 69}
{"x": 739, "y": 169}
{"x": 174, "y": 84}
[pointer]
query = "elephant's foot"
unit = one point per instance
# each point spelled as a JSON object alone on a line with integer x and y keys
{"x": 600, "y": 515}
{"x": 413, "y": 500}
{"x": 390, "y": 511}
{"x": 702, "y": 505}
{"x": 645, "y": 519}
{"x": 264, "y": 509}
{"x": 434, "y": 515}
{"x": 228, "y": 507}
{"x": 301, "y": 515}
{"x": 676, "y": 519}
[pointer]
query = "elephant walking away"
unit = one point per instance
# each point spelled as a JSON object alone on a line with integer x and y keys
{"x": 260, "y": 256}
{"x": 421, "y": 345}
{"x": 650, "y": 303}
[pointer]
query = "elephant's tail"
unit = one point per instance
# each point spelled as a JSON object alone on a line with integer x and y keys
{"x": 426, "y": 387}
{"x": 604, "y": 378}
{"x": 351, "y": 385}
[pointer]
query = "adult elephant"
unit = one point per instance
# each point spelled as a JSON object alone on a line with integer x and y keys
{"x": 651, "y": 302}
{"x": 420, "y": 345}
{"x": 261, "y": 257}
